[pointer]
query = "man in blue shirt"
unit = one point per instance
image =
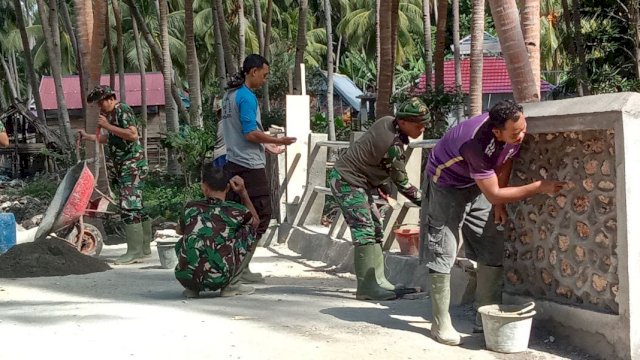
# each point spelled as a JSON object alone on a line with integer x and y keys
{"x": 246, "y": 142}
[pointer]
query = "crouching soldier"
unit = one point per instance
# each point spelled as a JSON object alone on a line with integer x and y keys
{"x": 217, "y": 237}
{"x": 368, "y": 163}
{"x": 127, "y": 168}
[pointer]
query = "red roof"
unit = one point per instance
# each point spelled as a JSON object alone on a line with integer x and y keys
{"x": 495, "y": 78}
{"x": 71, "y": 87}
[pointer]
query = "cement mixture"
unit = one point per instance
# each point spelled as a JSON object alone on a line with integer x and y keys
{"x": 49, "y": 257}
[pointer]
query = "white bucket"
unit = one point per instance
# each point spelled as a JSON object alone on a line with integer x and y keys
{"x": 167, "y": 253}
{"x": 507, "y": 327}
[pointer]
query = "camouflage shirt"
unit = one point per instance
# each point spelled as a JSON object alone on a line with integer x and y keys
{"x": 121, "y": 150}
{"x": 2, "y": 129}
{"x": 377, "y": 157}
{"x": 217, "y": 235}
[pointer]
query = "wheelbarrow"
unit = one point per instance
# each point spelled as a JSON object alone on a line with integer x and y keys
{"x": 72, "y": 201}
{"x": 64, "y": 216}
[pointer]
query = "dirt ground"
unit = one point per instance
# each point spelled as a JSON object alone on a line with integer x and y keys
{"x": 304, "y": 311}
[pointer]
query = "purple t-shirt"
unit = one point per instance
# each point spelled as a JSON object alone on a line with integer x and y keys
{"x": 467, "y": 152}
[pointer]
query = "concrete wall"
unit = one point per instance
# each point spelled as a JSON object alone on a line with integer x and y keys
{"x": 577, "y": 253}
{"x": 562, "y": 248}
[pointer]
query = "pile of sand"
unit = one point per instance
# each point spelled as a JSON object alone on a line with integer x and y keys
{"x": 47, "y": 258}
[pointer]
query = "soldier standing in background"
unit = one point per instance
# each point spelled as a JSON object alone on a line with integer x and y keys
{"x": 127, "y": 168}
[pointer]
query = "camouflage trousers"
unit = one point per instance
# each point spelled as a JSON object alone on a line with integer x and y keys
{"x": 213, "y": 265}
{"x": 128, "y": 180}
{"x": 359, "y": 210}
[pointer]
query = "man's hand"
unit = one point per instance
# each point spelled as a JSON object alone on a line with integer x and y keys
{"x": 103, "y": 122}
{"x": 237, "y": 185}
{"x": 287, "y": 140}
{"x": 551, "y": 187}
{"x": 82, "y": 134}
{"x": 274, "y": 149}
{"x": 500, "y": 214}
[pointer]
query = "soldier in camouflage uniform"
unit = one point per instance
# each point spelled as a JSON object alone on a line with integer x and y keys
{"x": 377, "y": 157}
{"x": 217, "y": 236}
{"x": 4, "y": 139}
{"x": 127, "y": 168}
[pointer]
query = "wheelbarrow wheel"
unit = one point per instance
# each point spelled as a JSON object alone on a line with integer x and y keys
{"x": 90, "y": 243}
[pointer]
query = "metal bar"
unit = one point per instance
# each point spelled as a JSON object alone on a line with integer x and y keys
{"x": 425, "y": 144}
{"x": 333, "y": 144}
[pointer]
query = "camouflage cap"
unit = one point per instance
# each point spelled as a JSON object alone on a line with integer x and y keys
{"x": 413, "y": 110}
{"x": 100, "y": 92}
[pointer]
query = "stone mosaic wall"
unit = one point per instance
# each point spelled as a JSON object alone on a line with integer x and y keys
{"x": 563, "y": 248}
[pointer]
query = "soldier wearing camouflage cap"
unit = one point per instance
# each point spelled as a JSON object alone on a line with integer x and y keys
{"x": 127, "y": 168}
{"x": 217, "y": 237}
{"x": 370, "y": 162}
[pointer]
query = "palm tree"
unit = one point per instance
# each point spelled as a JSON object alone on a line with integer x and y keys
{"x": 386, "y": 63}
{"x": 110, "y": 54}
{"x": 143, "y": 87}
{"x": 117, "y": 15}
{"x": 530, "y": 18}
{"x": 476, "y": 58}
{"x": 230, "y": 63}
{"x": 266, "y": 103}
{"x": 221, "y": 67}
{"x": 193, "y": 67}
{"x": 441, "y": 29}
{"x": 26, "y": 48}
{"x": 241, "y": 32}
{"x": 173, "y": 167}
{"x": 301, "y": 43}
{"x": 428, "y": 57}
{"x": 330, "y": 120}
{"x": 258, "y": 17}
{"x": 507, "y": 22}
{"x": 155, "y": 52}
{"x": 49, "y": 20}
{"x": 456, "y": 54}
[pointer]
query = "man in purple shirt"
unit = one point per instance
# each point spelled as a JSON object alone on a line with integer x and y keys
{"x": 466, "y": 188}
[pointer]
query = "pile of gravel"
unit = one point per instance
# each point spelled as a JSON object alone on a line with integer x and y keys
{"x": 49, "y": 257}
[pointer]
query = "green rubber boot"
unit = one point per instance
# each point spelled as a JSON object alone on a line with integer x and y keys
{"x": 134, "y": 253}
{"x": 441, "y": 328}
{"x": 380, "y": 274}
{"x": 147, "y": 237}
{"x": 489, "y": 282}
{"x": 365, "y": 257}
{"x": 247, "y": 276}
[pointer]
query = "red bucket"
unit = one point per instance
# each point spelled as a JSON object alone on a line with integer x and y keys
{"x": 409, "y": 240}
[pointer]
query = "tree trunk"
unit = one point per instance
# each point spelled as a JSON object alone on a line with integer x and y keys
{"x": 193, "y": 71}
{"x": 10, "y": 79}
{"x": 441, "y": 36}
{"x": 507, "y": 21}
{"x": 575, "y": 4}
{"x": 52, "y": 41}
{"x": 16, "y": 74}
{"x": 330, "y": 117}
{"x": 385, "y": 51}
{"x": 476, "y": 58}
{"x": 156, "y": 54}
{"x": 221, "y": 68}
{"x": 173, "y": 168}
{"x": 110, "y": 54}
{"x": 301, "y": 45}
{"x": 259, "y": 31}
{"x": 241, "y": 33}
{"x": 230, "y": 63}
{"x": 635, "y": 20}
{"x": 28, "y": 59}
{"x": 428, "y": 55}
{"x": 143, "y": 88}
{"x": 68, "y": 25}
{"x": 117, "y": 15}
{"x": 531, "y": 32}
{"x": 456, "y": 54}
{"x": 266, "y": 103}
